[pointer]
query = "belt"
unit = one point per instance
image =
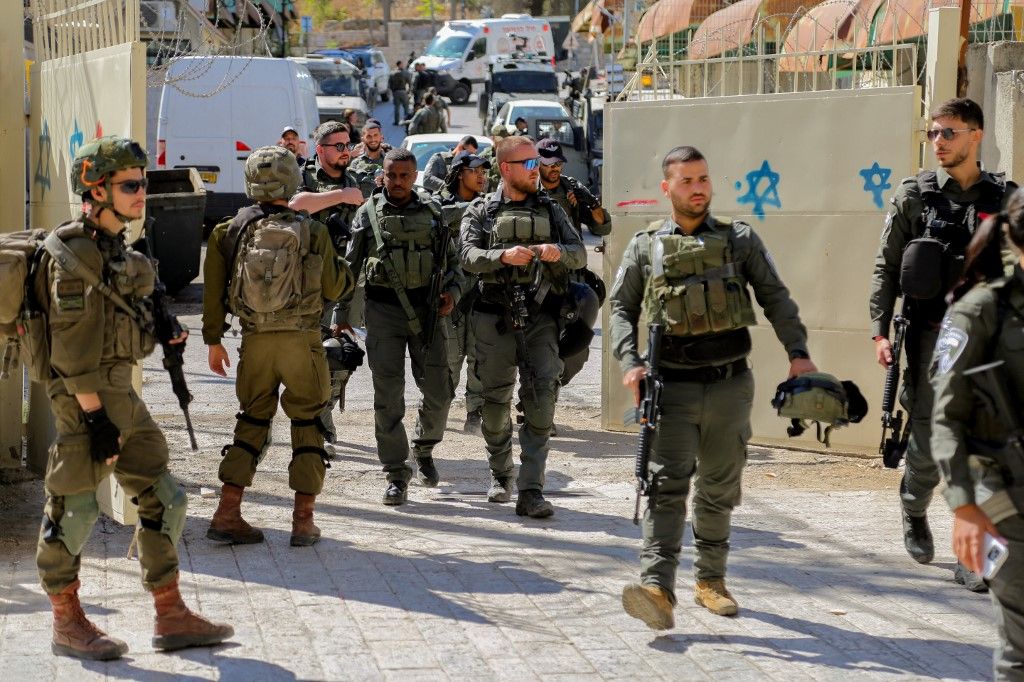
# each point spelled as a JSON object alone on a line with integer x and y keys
{"x": 489, "y": 308}
{"x": 704, "y": 375}
{"x": 379, "y": 294}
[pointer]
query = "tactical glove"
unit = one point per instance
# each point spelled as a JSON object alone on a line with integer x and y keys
{"x": 103, "y": 435}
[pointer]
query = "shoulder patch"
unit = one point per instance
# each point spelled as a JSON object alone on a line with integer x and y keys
{"x": 950, "y": 346}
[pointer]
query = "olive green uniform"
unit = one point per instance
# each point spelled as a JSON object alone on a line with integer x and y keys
{"x": 413, "y": 234}
{"x": 708, "y": 392}
{"x": 579, "y": 217}
{"x": 461, "y": 337}
{"x": 968, "y": 441}
{"x": 270, "y": 359}
{"x": 904, "y": 223}
{"x": 425, "y": 121}
{"x": 93, "y": 347}
{"x": 364, "y": 169}
{"x": 338, "y": 220}
{"x": 492, "y": 224}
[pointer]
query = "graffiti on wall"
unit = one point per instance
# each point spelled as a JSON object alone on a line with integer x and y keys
{"x": 876, "y": 181}
{"x": 762, "y": 190}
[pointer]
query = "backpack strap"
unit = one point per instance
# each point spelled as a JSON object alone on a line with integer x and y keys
{"x": 412, "y": 319}
{"x": 239, "y": 224}
{"x": 67, "y": 260}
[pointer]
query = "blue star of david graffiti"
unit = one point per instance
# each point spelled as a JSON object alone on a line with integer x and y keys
{"x": 876, "y": 181}
{"x": 42, "y": 176}
{"x": 759, "y": 196}
{"x": 76, "y": 140}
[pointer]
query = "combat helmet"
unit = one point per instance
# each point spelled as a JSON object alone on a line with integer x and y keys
{"x": 821, "y": 398}
{"x": 271, "y": 173}
{"x": 580, "y": 314}
{"x": 499, "y": 130}
{"x": 97, "y": 160}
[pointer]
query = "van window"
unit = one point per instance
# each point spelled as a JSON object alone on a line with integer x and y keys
{"x": 452, "y": 45}
{"x": 480, "y": 48}
{"x": 378, "y": 58}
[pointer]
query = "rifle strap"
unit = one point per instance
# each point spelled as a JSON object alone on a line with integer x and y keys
{"x": 411, "y": 317}
{"x": 67, "y": 260}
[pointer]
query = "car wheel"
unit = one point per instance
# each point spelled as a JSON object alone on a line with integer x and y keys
{"x": 460, "y": 94}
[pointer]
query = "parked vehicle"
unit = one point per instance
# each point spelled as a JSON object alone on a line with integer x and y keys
{"x": 215, "y": 110}
{"x": 425, "y": 146}
{"x": 511, "y": 78}
{"x": 374, "y": 63}
{"x": 550, "y": 119}
{"x": 460, "y": 51}
{"x": 337, "y": 87}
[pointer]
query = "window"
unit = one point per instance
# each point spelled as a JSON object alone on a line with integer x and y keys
{"x": 514, "y": 80}
{"x": 447, "y": 46}
{"x": 480, "y": 48}
{"x": 556, "y": 130}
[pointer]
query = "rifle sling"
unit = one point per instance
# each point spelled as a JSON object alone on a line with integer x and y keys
{"x": 389, "y": 269}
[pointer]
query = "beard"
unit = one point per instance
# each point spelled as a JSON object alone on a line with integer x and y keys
{"x": 954, "y": 161}
{"x": 338, "y": 166}
{"x": 689, "y": 210}
{"x": 524, "y": 186}
{"x": 372, "y": 146}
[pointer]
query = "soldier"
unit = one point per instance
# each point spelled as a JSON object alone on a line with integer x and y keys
{"x": 708, "y": 387}
{"x": 331, "y": 192}
{"x": 100, "y": 326}
{"x": 271, "y": 267}
{"x": 498, "y": 132}
{"x": 398, "y": 84}
{"x": 444, "y": 113}
{"x": 436, "y": 172}
{"x": 583, "y": 208}
{"x": 522, "y": 247}
{"x": 371, "y": 157}
{"x": 426, "y": 119}
{"x": 291, "y": 141}
{"x": 421, "y": 82}
{"x": 522, "y": 127}
{"x": 945, "y": 204}
{"x": 977, "y": 445}
{"x": 467, "y": 180}
{"x": 399, "y": 241}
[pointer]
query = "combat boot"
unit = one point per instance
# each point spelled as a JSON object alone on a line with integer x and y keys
{"x": 532, "y": 503}
{"x": 75, "y": 635}
{"x": 501, "y": 489}
{"x": 227, "y": 524}
{"x": 649, "y": 603}
{"x": 917, "y": 538}
{"x": 304, "y": 531}
{"x": 177, "y": 628}
{"x": 427, "y": 473}
{"x": 396, "y": 493}
{"x": 968, "y": 578}
{"x": 474, "y": 420}
{"x": 712, "y": 595}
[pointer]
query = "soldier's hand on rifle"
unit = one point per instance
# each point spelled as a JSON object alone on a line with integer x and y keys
{"x": 338, "y": 329}
{"x": 798, "y": 366}
{"x": 218, "y": 359}
{"x": 517, "y": 255}
{"x": 180, "y": 338}
{"x": 447, "y": 305}
{"x": 970, "y": 524}
{"x": 549, "y": 253}
{"x": 632, "y": 379}
{"x": 883, "y": 351}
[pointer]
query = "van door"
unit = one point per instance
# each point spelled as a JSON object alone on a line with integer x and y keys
{"x": 307, "y": 110}
{"x": 475, "y": 62}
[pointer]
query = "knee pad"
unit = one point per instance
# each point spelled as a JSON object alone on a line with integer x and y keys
{"x": 74, "y": 527}
{"x": 316, "y": 421}
{"x": 175, "y": 503}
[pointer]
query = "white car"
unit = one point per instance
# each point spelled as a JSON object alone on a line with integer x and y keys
{"x": 531, "y": 110}
{"x": 425, "y": 146}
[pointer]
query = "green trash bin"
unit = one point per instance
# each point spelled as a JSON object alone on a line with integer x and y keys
{"x": 176, "y": 201}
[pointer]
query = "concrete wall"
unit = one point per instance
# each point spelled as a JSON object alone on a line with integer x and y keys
{"x": 995, "y": 74}
{"x": 794, "y": 167}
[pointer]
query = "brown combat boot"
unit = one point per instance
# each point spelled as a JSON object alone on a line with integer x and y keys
{"x": 650, "y": 603}
{"x": 227, "y": 524}
{"x": 75, "y": 635}
{"x": 177, "y": 628}
{"x": 304, "y": 532}
{"x": 712, "y": 595}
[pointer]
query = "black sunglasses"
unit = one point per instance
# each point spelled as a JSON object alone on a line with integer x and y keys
{"x": 341, "y": 146}
{"x": 132, "y": 186}
{"x": 947, "y": 133}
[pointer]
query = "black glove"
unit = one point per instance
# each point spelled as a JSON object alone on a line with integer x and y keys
{"x": 585, "y": 198}
{"x": 103, "y": 435}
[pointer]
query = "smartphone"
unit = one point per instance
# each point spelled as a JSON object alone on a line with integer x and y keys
{"x": 995, "y": 554}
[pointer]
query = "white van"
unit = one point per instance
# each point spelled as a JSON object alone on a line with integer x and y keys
{"x": 214, "y": 111}
{"x": 337, "y": 87}
{"x": 461, "y": 49}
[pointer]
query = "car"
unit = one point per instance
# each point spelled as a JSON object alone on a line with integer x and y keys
{"x": 531, "y": 110}
{"x": 337, "y": 87}
{"x": 514, "y": 78}
{"x": 374, "y": 62}
{"x": 551, "y": 119}
{"x": 425, "y": 146}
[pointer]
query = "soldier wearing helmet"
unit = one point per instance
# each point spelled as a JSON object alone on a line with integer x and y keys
{"x": 272, "y": 268}
{"x": 96, "y": 291}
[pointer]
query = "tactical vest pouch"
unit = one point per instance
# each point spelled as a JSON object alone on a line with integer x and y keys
{"x": 925, "y": 268}
{"x": 17, "y": 251}
{"x": 522, "y": 226}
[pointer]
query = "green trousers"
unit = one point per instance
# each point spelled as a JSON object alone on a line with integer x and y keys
{"x": 462, "y": 350}
{"x": 72, "y": 478}
{"x": 388, "y": 339}
{"x": 702, "y": 435}
{"x": 1007, "y": 592}
{"x": 497, "y": 361}
{"x": 921, "y": 475}
{"x": 270, "y": 360}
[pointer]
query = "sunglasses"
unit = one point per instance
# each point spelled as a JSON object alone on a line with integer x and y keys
{"x": 340, "y": 146}
{"x": 528, "y": 164}
{"x": 133, "y": 186}
{"x": 947, "y": 133}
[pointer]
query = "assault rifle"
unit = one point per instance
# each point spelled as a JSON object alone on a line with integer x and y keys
{"x": 519, "y": 315}
{"x": 892, "y": 448}
{"x": 437, "y": 282}
{"x": 991, "y": 391}
{"x": 165, "y": 328}
{"x": 648, "y": 416}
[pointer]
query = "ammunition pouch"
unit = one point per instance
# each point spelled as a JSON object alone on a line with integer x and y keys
{"x": 175, "y": 502}
{"x": 75, "y": 525}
